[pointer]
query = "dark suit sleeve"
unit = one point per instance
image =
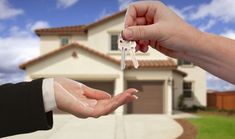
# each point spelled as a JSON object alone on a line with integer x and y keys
{"x": 22, "y": 109}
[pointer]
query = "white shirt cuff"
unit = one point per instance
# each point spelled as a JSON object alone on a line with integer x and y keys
{"x": 48, "y": 94}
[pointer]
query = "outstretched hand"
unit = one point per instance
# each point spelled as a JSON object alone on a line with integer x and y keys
{"x": 83, "y": 101}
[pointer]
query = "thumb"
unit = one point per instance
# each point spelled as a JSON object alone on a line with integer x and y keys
{"x": 95, "y": 93}
{"x": 144, "y": 32}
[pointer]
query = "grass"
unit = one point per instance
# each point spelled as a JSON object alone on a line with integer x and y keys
{"x": 214, "y": 126}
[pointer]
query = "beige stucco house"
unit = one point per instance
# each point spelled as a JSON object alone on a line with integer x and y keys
{"x": 89, "y": 54}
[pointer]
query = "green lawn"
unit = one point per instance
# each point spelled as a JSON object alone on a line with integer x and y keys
{"x": 215, "y": 126}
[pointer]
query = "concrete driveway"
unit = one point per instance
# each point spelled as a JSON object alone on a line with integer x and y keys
{"x": 109, "y": 127}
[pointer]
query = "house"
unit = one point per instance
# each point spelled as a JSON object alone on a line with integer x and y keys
{"x": 89, "y": 54}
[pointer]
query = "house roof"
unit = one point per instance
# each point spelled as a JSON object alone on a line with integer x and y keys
{"x": 152, "y": 64}
{"x": 78, "y": 29}
{"x": 42, "y": 57}
{"x": 160, "y": 64}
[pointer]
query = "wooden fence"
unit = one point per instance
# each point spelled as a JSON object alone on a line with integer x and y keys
{"x": 221, "y": 100}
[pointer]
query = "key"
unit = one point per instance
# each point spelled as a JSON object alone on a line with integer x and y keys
{"x": 123, "y": 57}
{"x": 127, "y": 46}
{"x": 123, "y": 52}
{"x": 133, "y": 58}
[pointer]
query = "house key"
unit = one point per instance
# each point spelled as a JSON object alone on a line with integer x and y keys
{"x": 127, "y": 46}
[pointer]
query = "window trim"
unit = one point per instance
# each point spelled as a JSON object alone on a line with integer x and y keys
{"x": 110, "y": 43}
{"x": 192, "y": 88}
{"x": 185, "y": 65}
{"x": 62, "y": 37}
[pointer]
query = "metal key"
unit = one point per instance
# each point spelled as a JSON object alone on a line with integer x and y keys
{"x": 128, "y": 46}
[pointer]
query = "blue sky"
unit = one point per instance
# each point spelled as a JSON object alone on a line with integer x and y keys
{"x": 18, "y": 19}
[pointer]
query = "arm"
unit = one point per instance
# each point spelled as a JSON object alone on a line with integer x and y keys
{"x": 22, "y": 109}
{"x": 153, "y": 24}
{"x": 215, "y": 54}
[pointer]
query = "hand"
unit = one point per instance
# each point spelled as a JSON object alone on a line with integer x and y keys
{"x": 83, "y": 101}
{"x": 154, "y": 24}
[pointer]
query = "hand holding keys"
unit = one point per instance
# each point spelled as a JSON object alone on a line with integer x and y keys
{"x": 127, "y": 46}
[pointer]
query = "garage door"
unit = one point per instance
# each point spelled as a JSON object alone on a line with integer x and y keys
{"x": 150, "y": 97}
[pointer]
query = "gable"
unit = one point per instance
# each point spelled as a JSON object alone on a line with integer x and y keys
{"x": 73, "y": 61}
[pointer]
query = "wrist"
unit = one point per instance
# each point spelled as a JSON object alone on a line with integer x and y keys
{"x": 197, "y": 45}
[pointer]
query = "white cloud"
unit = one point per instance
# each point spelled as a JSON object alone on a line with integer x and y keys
{"x": 103, "y": 13}
{"x": 66, "y": 3}
{"x": 216, "y": 83}
{"x": 7, "y": 11}
{"x": 207, "y": 26}
{"x": 223, "y": 10}
{"x": 12, "y": 78}
{"x": 124, "y": 4}
{"x": 229, "y": 34}
{"x": 38, "y": 25}
{"x": 20, "y": 45}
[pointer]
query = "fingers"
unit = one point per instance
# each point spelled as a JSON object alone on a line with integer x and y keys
{"x": 139, "y": 9}
{"x": 95, "y": 94}
{"x": 123, "y": 98}
{"x": 84, "y": 111}
{"x": 142, "y": 45}
{"x": 130, "y": 17}
{"x": 141, "y": 21}
{"x": 142, "y": 32}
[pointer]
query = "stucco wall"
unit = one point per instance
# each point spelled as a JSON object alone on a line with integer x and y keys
{"x": 49, "y": 43}
{"x": 177, "y": 88}
{"x": 85, "y": 66}
{"x": 197, "y": 76}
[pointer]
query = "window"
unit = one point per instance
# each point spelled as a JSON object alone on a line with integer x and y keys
{"x": 187, "y": 89}
{"x": 64, "y": 41}
{"x": 114, "y": 42}
{"x": 184, "y": 62}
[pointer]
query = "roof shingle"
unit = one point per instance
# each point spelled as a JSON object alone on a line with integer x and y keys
{"x": 75, "y": 30}
{"x": 162, "y": 64}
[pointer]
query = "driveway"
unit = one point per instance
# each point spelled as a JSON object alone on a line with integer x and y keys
{"x": 109, "y": 127}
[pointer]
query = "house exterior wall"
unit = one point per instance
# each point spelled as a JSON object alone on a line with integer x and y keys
{"x": 49, "y": 43}
{"x": 75, "y": 67}
{"x": 197, "y": 76}
{"x": 177, "y": 89}
{"x": 82, "y": 39}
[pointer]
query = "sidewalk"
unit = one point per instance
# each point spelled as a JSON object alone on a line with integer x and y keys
{"x": 109, "y": 127}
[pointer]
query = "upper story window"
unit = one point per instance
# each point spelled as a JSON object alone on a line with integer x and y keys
{"x": 184, "y": 62}
{"x": 64, "y": 41}
{"x": 188, "y": 89}
{"x": 114, "y": 42}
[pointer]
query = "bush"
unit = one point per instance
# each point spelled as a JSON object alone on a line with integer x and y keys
{"x": 181, "y": 104}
